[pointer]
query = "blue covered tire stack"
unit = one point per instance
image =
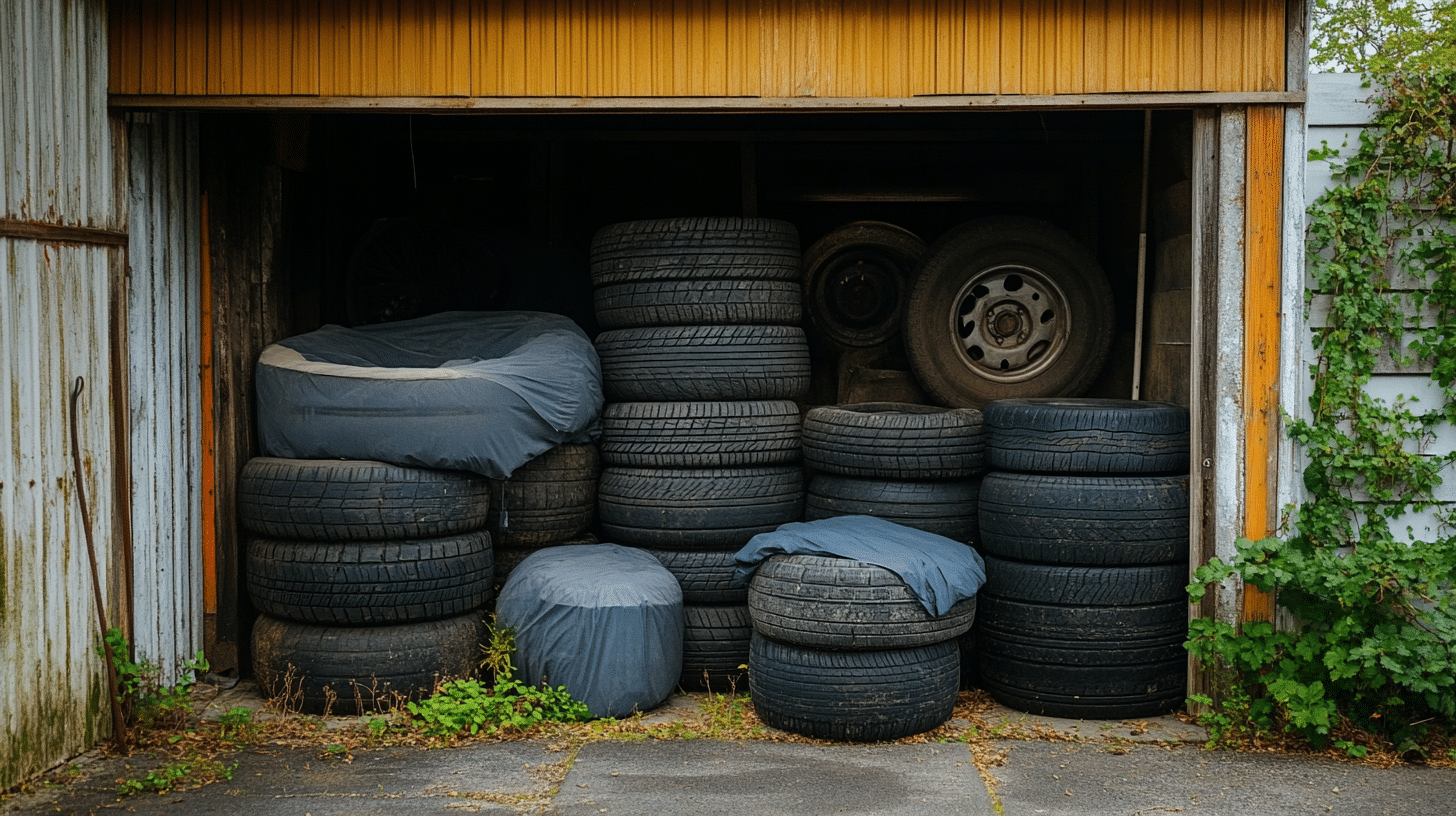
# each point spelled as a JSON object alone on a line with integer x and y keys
{"x": 702, "y": 359}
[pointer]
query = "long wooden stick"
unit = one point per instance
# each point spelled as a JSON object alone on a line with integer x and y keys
{"x": 118, "y": 721}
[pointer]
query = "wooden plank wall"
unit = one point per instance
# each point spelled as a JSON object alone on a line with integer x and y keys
{"x": 693, "y": 48}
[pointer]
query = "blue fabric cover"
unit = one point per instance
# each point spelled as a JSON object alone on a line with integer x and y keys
{"x": 605, "y": 621}
{"x": 940, "y": 571}
{"x": 479, "y": 391}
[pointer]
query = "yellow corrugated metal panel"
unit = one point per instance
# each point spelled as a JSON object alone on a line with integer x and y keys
{"x": 716, "y": 48}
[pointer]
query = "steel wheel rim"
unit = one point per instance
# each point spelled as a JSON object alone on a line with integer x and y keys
{"x": 1009, "y": 323}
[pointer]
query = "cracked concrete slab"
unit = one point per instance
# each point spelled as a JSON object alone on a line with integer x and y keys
{"x": 689, "y": 777}
{"x": 1084, "y": 779}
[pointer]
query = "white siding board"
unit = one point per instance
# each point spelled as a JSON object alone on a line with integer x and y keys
{"x": 163, "y": 319}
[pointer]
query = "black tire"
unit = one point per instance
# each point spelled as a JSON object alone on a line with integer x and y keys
{"x": 355, "y": 500}
{"x": 725, "y": 433}
{"x": 356, "y": 670}
{"x": 695, "y": 249}
{"x": 369, "y": 583}
{"x": 853, "y": 696}
{"x": 891, "y": 440}
{"x": 663, "y": 364}
{"x": 698, "y": 302}
{"x": 1086, "y": 586}
{"x": 1083, "y": 678}
{"x": 970, "y": 660}
{"x": 715, "y": 647}
{"x": 838, "y": 603}
{"x": 1085, "y": 520}
{"x": 856, "y": 281}
{"x": 706, "y": 577}
{"x": 696, "y": 508}
{"x": 1008, "y": 307}
{"x": 945, "y": 508}
{"x": 1088, "y": 623}
{"x": 1087, "y": 436}
{"x": 549, "y": 499}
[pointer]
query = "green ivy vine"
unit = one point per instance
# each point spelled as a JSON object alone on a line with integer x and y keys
{"x": 1373, "y": 657}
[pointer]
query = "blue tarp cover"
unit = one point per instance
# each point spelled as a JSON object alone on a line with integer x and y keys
{"x": 479, "y": 391}
{"x": 940, "y": 571}
{"x": 605, "y": 621}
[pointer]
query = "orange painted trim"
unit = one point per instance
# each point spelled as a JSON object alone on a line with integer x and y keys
{"x": 209, "y": 435}
{"x": 1262, "y": 206}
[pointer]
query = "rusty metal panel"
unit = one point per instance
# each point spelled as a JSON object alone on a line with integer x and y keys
{"x": 57, "y": 176}
{"x": 57, "y": 167}
{"x": 53, "y": 328}
{"x": 164, "y": 390}
{"x": 696, "y": 48}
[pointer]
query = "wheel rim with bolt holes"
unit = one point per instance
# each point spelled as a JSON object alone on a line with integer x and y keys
{"x": 1012, "y": 323}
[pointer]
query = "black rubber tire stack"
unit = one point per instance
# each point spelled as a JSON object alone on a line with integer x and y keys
{"x": 844, "y": 650}
{"x": 547, "y": 502}
{"x": 1085, "y": 530}
{"x": 370, "y": 578}
{"x": 701, "y": 363}
{"x": 915, "y": 465}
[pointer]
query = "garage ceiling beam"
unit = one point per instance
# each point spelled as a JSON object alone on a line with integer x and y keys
{"x": 468, "y": 104}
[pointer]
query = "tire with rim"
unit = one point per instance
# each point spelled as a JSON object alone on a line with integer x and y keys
{"x": 357, "y": 500}
{"x": 706, "y": 578}
{"x": 672, "y": 363}
{"x": 715, "y": 647}
{"x": 720, "y": 433}
{"x": 368, "y": 583}
{"x": 838, "y": 603}
{"x": 696, "y": 508}
{"x": 892, "y": 440}
{"x": 549, "y": 499}
{"x": 856, "y": 281}
{"x": 1084, "y": 520}
{"x": 945, "y": 508}
{"x": 853, "y": 696}
{"x": 1087, "y": 436}
{"x": 698, "y": 302}
{"x": 695, "y": 249}
{"x": 1008, "y": 307}
{"x": 361, "y": 669}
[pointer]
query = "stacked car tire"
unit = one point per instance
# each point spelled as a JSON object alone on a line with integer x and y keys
{"x": 844, "y": 650}
{"x": 915, "y": 465}
{"x": 702, "y": 359}
{"x": 1085, "y": 530}
{"x": 369, "y": 577}
{"x": 549, "y": 501}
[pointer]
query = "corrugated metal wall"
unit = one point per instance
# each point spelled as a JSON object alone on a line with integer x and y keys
{"x": 56, "y": 145}
{"x": 687, "y": 48}
{"x": 163, "y": 326}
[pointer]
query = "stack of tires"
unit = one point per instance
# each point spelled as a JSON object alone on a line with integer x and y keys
{"x": 1085, "y": 532}
{"x": 915, "y": 465}
{"x": 844, "y": 650}
{"x": 548, "y": 502}
{"x": 370, "y": 578}
{"x": 702, "y": 359}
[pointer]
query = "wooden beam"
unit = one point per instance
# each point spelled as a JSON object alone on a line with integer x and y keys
{"x": 792, "y": 104}
{"x": 1264, "y": 174}
{"x": 60, "y": 233}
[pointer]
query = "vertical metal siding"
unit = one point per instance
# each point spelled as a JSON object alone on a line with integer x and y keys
{"x": 718, "y": 48}
{"x": 56, "y": 147}
{"x": 163, "y": 314}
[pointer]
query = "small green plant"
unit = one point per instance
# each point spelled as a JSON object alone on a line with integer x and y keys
{"x": 185, "y": 773}
{"x": 236, "y": 725}
{"x": 469, "y": 706}
{"x": 146, "y": 699}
